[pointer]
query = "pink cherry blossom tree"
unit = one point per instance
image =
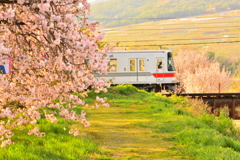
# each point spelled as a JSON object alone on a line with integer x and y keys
{"x": 54, "y": 52}
{"x": 199, "y": 74}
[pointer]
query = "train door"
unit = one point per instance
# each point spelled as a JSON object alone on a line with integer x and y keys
{"x": 159, "y": 69}
{"x": 142, "y": 69}
{"x": 137, "y": 70}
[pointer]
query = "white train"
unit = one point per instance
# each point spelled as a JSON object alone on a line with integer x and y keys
{"x": 149, "y": 70}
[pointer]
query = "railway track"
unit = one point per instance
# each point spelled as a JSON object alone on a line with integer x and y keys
{"x": 218, "y": 101}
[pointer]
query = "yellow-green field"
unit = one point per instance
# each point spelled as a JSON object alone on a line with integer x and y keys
{"x": 219, "y": 33}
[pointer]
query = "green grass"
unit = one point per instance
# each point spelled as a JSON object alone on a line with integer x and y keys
{"x": 163, "y": 121}
{"x": 57, "y": 144}
{"x": 138, "y": 126}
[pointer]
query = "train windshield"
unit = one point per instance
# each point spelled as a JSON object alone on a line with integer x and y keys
{"x": 170, "y": 62}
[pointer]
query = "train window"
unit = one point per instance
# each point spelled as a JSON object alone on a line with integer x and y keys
{"x": 113, "y": 64}
{"x": 159, "y": 64}
{"x": 132, "y": 65}
{"x": 141, "y": 65}
{"x": 170, "y": 62}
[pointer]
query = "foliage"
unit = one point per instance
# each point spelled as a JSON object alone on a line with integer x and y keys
{"x": 207, "y": 144}
{"x": 126, "y": 89}
{"x": 236, "y": 85}
{"x": 221, "y": 123}
{"x": 195, "y": 107}
{"x": 198, "y": 74}
{"x": 54, "y": 52}
{"x": 139, "y": 11}
{"x": 232, "y": 63}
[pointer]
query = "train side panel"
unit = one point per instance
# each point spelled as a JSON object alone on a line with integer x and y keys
{"x": 142, "y": 68}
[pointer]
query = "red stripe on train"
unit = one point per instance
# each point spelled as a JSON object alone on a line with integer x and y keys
{"x": 157, "y": 75}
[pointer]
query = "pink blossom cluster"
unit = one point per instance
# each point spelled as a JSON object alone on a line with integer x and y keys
{"x": 97, "y": 105}
{"x": 9, "y": 13}
{"x": 35, "y": 131}
{"x": 55, "y": 52}
{"x": 51, "y": 117}
{"x": 102, "y": 100}
{"x": 3, "y": 50}
{"x": 74, "y": 132}
{"x": 5, "y": 143}
{"x": 85, "y": 123}
{"x": 70, "y": 115}
{"x": 5, "y": 135}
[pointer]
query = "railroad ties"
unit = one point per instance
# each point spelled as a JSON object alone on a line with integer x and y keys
{"x": 218, "y": 101}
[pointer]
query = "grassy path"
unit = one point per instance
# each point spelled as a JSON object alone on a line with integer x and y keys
{"x": 114, "y": 128}
{"x": 146, "y": 126}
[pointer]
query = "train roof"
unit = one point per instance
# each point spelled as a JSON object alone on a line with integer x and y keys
{"x": 141, "y": 51}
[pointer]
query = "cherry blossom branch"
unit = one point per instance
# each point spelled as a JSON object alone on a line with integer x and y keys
{"x": 53, "y": 55}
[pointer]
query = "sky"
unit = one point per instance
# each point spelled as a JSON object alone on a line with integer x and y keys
{"x": 91, "y": 1}
{"x": 96, "y": 1}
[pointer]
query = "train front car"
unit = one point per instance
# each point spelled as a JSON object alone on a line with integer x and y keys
{"x": 165, "y": 73}
{"x": 149, "y": 70}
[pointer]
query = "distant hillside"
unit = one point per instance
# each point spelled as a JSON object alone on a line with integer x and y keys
{"x": 123, "y": 12}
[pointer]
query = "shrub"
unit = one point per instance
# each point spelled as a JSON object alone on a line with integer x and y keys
{"x": 126, "y": 89}
{"x": 221, "y": 123}
{"x": 195, "y": 107}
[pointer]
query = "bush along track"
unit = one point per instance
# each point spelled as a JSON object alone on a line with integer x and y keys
{"x": 141, "y": 125}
